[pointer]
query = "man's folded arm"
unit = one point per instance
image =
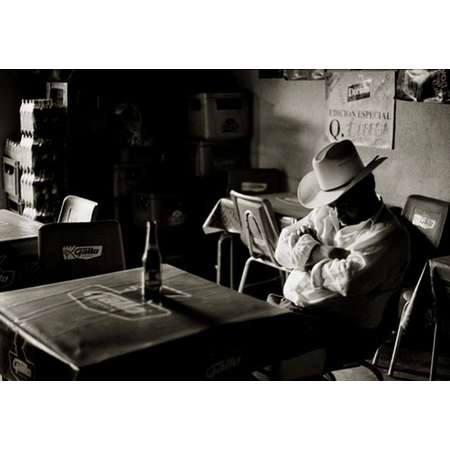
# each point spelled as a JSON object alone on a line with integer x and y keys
{"x": 364, "y": 268}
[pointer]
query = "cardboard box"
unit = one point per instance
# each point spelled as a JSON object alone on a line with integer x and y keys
{"x": 97, "y": 328}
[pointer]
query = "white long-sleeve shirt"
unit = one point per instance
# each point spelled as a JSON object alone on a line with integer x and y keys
{"x": 355, "y": 288}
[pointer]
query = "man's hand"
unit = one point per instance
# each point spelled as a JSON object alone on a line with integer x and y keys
{"x": 326, "y": 252}
{"x": 303, "y": 229}
{"x": 294, "y": 232}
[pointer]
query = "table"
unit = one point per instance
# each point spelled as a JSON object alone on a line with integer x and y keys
{"x": 17, "y": 229}
{"x": 440, "y": 289}
{"x": 432, "y": 294}
{"x": 96, "y": 328}
{"x": 18, "y": 248}
{"x": 224, "y": 218}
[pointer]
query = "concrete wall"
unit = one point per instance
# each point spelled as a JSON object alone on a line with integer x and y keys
{"x": 289, "y": 123}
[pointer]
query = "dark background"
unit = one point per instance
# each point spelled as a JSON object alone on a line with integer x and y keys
{"x": 98, "y": 140}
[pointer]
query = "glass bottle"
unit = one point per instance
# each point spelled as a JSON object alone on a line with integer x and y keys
{"x": 151, "y": 265}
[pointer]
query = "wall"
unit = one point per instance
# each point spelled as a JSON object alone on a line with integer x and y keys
{"x": 289, "y": 119}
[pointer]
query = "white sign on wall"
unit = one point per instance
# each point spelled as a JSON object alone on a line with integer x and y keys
{"x": 360, "y": 107}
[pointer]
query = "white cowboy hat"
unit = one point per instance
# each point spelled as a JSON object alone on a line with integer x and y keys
{"x": 337, "y": 168}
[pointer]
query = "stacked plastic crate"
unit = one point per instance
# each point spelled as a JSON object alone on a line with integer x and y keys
{"x": 32, "y": 168}
{"x": 219, "y": 129}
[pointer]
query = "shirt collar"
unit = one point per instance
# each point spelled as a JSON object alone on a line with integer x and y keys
{"x": 376, "y": 216}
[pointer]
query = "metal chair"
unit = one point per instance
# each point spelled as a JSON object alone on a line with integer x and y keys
{"x": 364, "y": 352}
{"x": 77, "y": 209}
{"x": 427, "y": 220}
{"x": 76, "y": 250}
{"x": 337, "y": 357}
{"x": 259, "y": 232}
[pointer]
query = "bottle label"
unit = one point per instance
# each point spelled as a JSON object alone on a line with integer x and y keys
{"x": 151, "y": 284}
{"x": 152, "y": 278}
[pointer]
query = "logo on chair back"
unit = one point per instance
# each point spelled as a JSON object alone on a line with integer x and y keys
{"x": 82, "y": 252}
{"x": 422, "y": 221}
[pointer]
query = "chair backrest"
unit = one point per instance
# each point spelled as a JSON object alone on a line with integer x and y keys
{"x": 427, "y": 221}
{"x": 77, "y": 209}
{"x": 430, "y": 216}
{"x": 76, "y": 250}
{"x": 259, "y": 230}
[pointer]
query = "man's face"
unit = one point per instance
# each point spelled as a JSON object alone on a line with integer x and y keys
{"x": 358, "y": 203}
{"x": 351, "y": 208}
{"x": 348, "y": 210}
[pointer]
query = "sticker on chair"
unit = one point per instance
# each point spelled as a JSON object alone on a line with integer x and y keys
{"x": 104, "y": 300}
{"x": 424, "y": 222}
{"x": 71, "y": 252}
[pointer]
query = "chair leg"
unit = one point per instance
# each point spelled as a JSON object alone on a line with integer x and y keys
{"x": 434, "y": 351}
{"x": 375, "y": 356}
{"x": 219, "y": 259}
{"x": 395, "y": 350}
{"x": 244, "y": 274}
{"x": 231, "y": 262}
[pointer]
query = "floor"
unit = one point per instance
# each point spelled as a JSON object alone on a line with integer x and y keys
{"x": 412, "y": 365}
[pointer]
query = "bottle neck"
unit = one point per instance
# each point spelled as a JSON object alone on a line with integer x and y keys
{"x": 152, "y": 235}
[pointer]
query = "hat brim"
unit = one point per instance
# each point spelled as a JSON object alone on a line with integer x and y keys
{"x": 311, "y": 196}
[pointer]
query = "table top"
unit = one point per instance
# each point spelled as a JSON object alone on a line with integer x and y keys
{"x": 224, "y": 217}
{"x": 286, "y": 204}
{"x": 440, "y": 277}
{"x": 97, "y": 328}
{"x": 442, "y": 261}
{"x": 14, "y": 227}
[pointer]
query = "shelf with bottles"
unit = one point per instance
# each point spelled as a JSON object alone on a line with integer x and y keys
{"x": 37, "y": 180}
{"x": 34, "y": 154}
{"x": 42, "y": 118}
{"x": 40, "y": 197}
{"x": 37, "y": 159}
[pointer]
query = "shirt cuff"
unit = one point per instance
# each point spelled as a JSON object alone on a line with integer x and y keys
{"x": 316, "y": 273}
{"x": 303, "y": 248}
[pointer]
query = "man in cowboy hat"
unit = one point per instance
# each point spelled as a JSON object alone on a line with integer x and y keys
{"x": 349, "y": 254}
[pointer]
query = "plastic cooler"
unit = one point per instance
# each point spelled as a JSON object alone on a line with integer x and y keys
{"x": 208, "y": 158}
{"x": 219, "y": 116}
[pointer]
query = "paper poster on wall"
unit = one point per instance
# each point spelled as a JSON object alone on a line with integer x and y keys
{"x": 360, "y": 107}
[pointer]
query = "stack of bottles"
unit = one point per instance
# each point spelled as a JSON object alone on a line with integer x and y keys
{"x": 38, "y": 152}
